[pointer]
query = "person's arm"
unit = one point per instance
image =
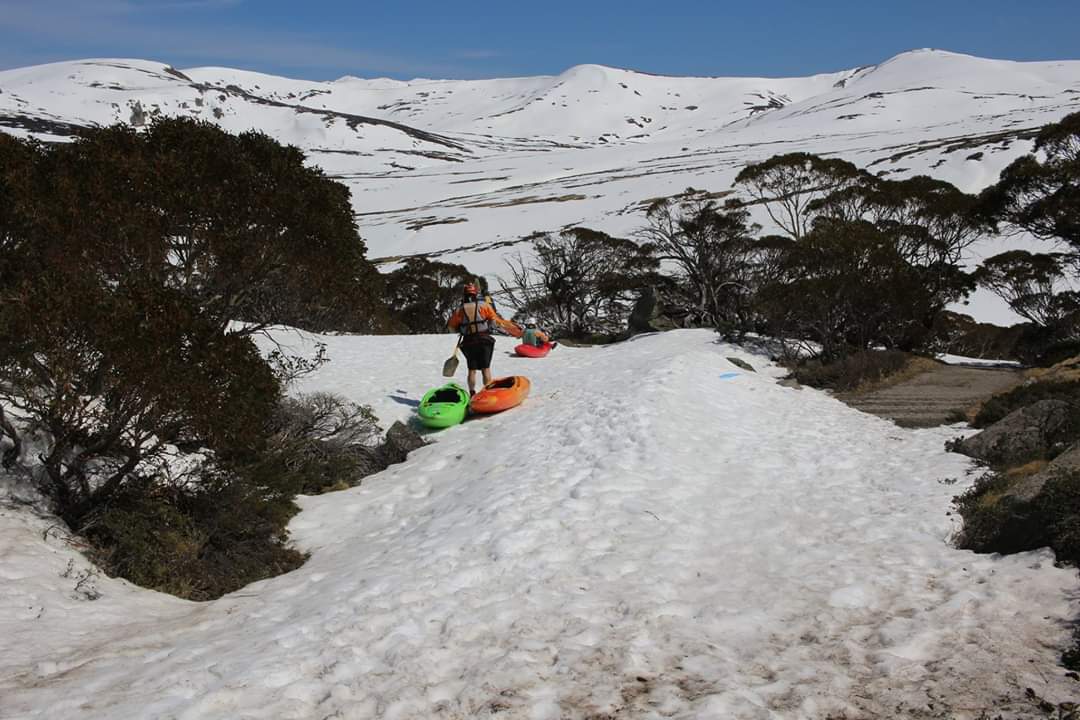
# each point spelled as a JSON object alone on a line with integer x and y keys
{"x": 455, "y": 320}
{"x": 489, "y": 314}
{"x": 542, "y": 336}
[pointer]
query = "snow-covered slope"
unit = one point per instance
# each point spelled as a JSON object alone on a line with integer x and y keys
{"x": 654, "y": 533}
{"x": 463, "y": 169}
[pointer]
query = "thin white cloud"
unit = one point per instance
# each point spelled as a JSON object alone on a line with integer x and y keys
{"x": 477, "y": 54}
{"x": 57, "y": 9}
{"x": 120, "y": 28}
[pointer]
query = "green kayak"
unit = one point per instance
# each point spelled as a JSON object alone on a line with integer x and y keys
{"x": 444, "y": 406}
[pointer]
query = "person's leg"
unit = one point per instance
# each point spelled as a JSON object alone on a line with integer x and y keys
{"x": 485, "y": 365}
{"x": 475, "y": 358}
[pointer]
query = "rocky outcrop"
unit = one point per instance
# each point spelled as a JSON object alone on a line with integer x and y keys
{"x": 649, "y": 314}
{"x": 1029, "y": 488}
{"x": 1030, "y": 433}
{"x": 400, "y": 441}
{"x": 741, "y": 364}
{"x": 395, "y": 448}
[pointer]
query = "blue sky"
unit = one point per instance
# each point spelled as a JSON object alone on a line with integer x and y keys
{"x": 464, "y": 39}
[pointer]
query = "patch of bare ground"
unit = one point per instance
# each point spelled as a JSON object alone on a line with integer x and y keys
{"x": 530, "y": 200}
{"x": 423, "y": 222}
{"x": 928, "y": 393}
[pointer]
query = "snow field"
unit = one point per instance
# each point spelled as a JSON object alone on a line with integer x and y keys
{"x": 587, "y": 147}
{"x": 647, "y": 536}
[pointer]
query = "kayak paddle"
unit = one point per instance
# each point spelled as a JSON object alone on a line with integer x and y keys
{"x": 450, "y": 366}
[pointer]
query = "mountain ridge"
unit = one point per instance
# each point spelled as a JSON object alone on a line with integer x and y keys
{"x": 461, "y": 170}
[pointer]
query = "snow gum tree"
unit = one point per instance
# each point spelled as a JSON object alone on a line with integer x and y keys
{"x": 788, "y": 186}
{"x": 845, "y": 287}
{"x": 898, "y": 248}
{"x": 579, "y": 281}
{"x": 1031, "y": 284}
{"x": 713, "y": 252}
{"x": 1040, "y": 194}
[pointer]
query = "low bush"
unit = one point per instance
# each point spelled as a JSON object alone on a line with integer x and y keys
{"x": 196, "y": 543}
{"x": 1056, "y": 352}
{"x": 321, "y": 442}
{"x": 225, "y": 525}
{"x": 1001, "y": 405}
{"x": 1051, "y": 519}
{"x": 852, "y": 371}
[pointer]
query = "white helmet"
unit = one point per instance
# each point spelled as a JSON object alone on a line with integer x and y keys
{"x": 530, "y": 321}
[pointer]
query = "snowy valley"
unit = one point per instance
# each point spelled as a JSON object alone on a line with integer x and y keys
{"x": 663, "y": 529}
{"x": 463, "y": 170}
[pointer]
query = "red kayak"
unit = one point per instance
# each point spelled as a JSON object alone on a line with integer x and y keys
{"x": 533, "y": 351}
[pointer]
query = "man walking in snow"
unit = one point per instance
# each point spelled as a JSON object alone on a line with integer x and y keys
{"x": 476, "y": 320}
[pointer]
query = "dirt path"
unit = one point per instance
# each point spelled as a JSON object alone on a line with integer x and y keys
{"x": 935, "y": 397}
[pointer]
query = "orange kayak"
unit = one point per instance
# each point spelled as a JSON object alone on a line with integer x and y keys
{"x": 501, "y": 394}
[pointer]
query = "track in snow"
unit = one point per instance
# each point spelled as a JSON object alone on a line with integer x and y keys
{"x": 648, "y": 536}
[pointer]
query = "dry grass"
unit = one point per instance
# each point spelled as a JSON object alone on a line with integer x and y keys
{"x": 429, "y": 220}
{"x": 1026, "y": 470}
{"x": 916, "y": 365}
{"x": 529, "y": 200}
{"x": 1064, "y": 371}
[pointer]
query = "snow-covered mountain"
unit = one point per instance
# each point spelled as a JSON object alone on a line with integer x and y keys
{"x": 708, "y": 545}
{"x": 461, "y": 170}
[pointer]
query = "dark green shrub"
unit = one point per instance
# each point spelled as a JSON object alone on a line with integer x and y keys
{"x": 988, "y": 524}
{"x": 224, "y": 527}
{"x": 125, "y": 257}
{"x": 197, "y": 543}
{"x": 995, "y": 524}
{"x": 1053, "y": 352}
{"x": 851, "y": 371}
{"x": 1001, "y": 405}
{"x": 422, "y": 294}
{"x": 1052, "y": 519}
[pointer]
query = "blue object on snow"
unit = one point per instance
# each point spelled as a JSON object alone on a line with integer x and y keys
{"x": 729, "y": 375}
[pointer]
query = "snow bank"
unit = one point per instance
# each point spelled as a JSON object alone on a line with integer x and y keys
{"x": 950, "y": 359}
{"x": 649, "y": 535}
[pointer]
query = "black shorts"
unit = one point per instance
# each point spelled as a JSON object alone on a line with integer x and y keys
{"x": 478, "y": 352}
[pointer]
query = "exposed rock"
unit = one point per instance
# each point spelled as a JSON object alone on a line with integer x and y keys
{"x": 138, "y": 115}
{"x": 790, "y": 383}
{"x": 400, "y": 441}
{"x": 648, "y": 314}
{"x": 1022, "y": 435}
{"x": 741, "y": 364}
{"x": 1030, "y": 487}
